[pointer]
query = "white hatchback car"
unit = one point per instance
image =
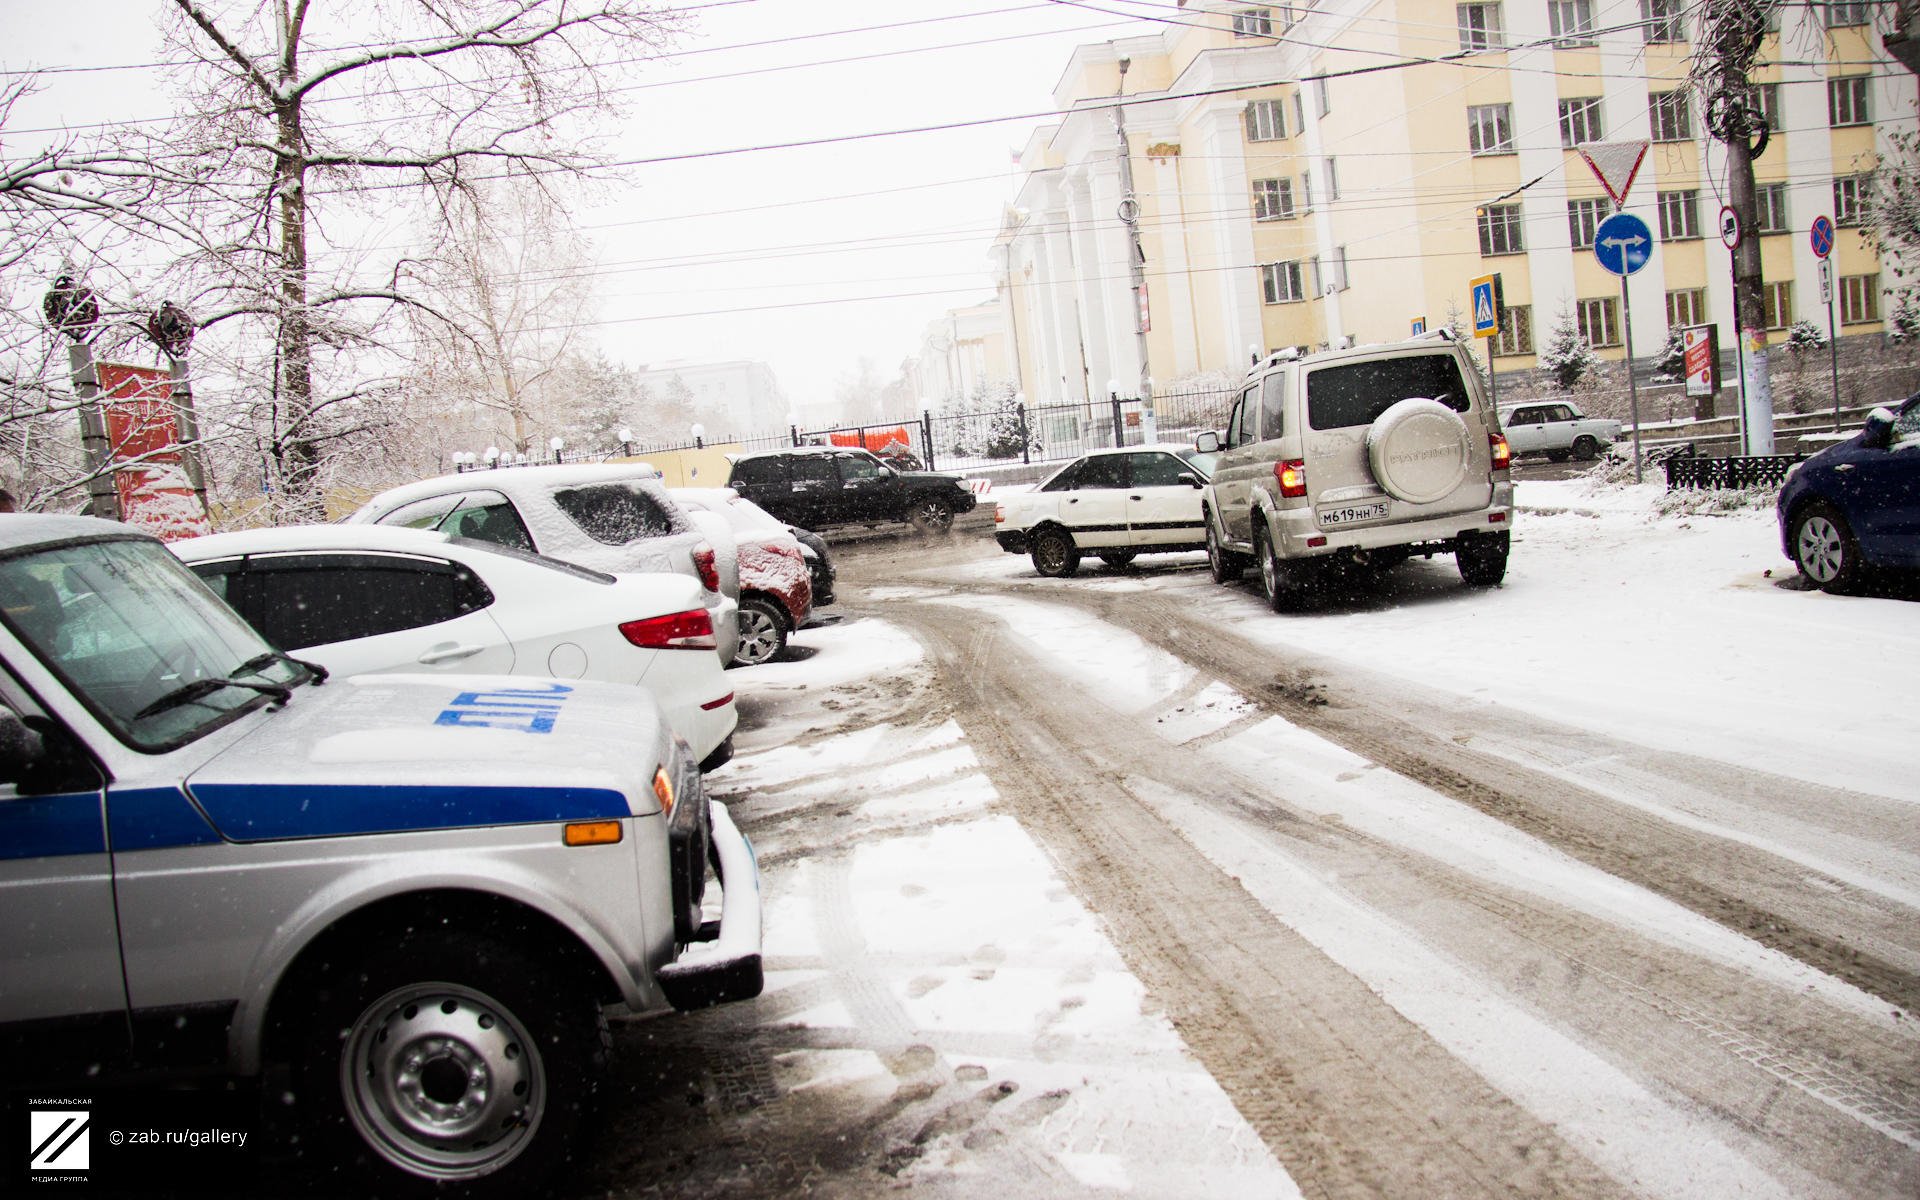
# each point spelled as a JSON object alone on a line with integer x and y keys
{"x": 1116, "y": 503}
{"x": 609, "y": 516}
{"x": 366, "y": 600}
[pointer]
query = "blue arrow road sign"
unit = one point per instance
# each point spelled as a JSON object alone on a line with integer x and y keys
{"x": 1623, "y": 243}
{"x": 1822, "y": 237}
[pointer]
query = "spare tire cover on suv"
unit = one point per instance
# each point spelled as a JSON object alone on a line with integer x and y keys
{"x": 1419, "y": 450}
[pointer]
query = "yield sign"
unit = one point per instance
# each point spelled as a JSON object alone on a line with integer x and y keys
{"x": 1615, "y": 164}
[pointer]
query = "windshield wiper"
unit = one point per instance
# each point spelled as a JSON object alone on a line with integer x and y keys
{"x": 314, "y": 669}
{"x": 187, "y": 693}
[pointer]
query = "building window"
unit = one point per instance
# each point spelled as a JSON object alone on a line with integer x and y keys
{"x": 1253, "y": 22}
{"x": 1776, "y": 304}
{"x": 1850, "y": 194}
{"x": 1516, "y": 331}
{"x": 1839, "y": 14}
{"x": 1333, "y": 182}
{"x": 1266, "y": 121}
{"x": 1598, "y": 324}
{"x": 1859, "y": 299}
{"x": 1679, "y": 216}
{"x": 1583, "y": 218}
{"x": 1580, "y": 121}
{"x": 1766, "y": 98}
{"x": 1500, "y": 230}
{"x": 1306, "y": 191}
{"x": 1490, "y": 128}
{"x": 1663, "y": 21}
{"x": 1847, "y": 100}
{"x": 1771, "y": 207}
{"x": 1572, "y": 22}
{"x": 1322, "y": 96}
{"x": 1669, "y": 115}
{"x": 1272, "y": 199}
{"x": 1340, "y": 268}
{"x": 1686, "y": 307}
{"x": 1299, "y": 111}
{"x": 1480, "y": 27}
{"x": 1280, "y": 283}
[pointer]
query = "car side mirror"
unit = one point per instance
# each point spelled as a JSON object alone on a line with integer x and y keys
{"x": 1188, "y": 478}
{"x": 1207, "y": 443}
{"x": 1879, "y": 429}
{"x": 36, "y": 758}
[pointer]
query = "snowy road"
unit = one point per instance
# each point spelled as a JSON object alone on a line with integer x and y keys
{"x": 1123, "y": 884}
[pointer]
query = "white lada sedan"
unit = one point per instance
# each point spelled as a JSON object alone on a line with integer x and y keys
{"x": 1114, "y": 503}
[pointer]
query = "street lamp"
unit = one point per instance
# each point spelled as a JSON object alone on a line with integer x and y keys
{"x": 699, "y": 432}
{"x": 556, "y": 443}
{"x": 626, "y": 442}
{"x": 492, "y": 456}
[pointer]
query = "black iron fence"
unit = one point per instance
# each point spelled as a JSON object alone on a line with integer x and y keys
{"x": 1687, "y": 470}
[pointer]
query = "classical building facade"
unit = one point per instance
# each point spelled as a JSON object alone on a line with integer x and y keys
{"x": 1341, "y": 172}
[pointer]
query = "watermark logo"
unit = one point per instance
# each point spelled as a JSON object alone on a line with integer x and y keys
{"x": 58, "y": 1139}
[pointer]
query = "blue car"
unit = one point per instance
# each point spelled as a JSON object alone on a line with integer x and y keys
{"x": 1855, "y": 506}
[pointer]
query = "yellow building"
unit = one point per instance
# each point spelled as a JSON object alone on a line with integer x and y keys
{"x": 1341, "y": 172}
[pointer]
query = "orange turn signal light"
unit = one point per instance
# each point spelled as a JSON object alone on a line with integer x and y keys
{"x": 663, "y": 788}
{"x": 591, "y": 833}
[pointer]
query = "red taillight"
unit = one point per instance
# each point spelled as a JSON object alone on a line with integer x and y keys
{"x": 1502, "y": 454}
{"x": 708, "y": 565}
{"x": 999, "y": 514}
{"x": 1291, "y": 475}
{"x": 722, "y": 702}
{"x": 690, "y": 630}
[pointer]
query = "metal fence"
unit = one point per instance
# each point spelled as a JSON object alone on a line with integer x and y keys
{"x": 1022, "y": 433}
{"x": 1734, "y": 471}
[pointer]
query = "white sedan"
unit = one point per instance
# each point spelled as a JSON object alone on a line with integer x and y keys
{"x": 361, "y": 599}
{"x": 1116, "y": 503}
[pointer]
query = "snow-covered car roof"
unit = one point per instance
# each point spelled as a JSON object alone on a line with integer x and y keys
{"x": 512, "y": 481}
{"x": 741, "y": 512}
{"x": 21, "y": 530}
{"x": 1169, "y": 447}
{"x": 308, "y": 537}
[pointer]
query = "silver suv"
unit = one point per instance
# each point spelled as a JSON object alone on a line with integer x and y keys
{"x": 1361, "y": 456}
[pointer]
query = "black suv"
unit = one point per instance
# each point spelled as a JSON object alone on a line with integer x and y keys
{"x": 816, "y": 486}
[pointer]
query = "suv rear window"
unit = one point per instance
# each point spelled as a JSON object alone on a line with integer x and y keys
{"x": 1339, "y": 397}
{"x": 615, "y": 514}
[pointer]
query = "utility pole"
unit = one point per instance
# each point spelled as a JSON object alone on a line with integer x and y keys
{"x": 1137, "y": 260}
{"x": 1730, "y": 35}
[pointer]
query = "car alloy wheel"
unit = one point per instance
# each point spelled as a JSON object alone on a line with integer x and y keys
{"x": 932, "y": 515}
{"x": 1824, "y": 550}
{"x": 763, "y": 635}
{"x": 1054, "y": 553}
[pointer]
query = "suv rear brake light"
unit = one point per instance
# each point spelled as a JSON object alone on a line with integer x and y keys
{"x": 689, "y": 630}
{"x": 708, "y": 565}
{"x": 1291, "y": 475}
{"x": 1502, "y": 454}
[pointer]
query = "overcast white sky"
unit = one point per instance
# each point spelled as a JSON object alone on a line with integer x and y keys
{"x": 890, "y": 232}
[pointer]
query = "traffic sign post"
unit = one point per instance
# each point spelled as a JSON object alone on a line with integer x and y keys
{"x": 1487, "y": 303}
{"x": 1623, "y": 244}
{"x": 1821, "y": 235}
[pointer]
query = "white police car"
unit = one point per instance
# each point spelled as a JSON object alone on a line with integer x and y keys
{"x": 416, "y": 892}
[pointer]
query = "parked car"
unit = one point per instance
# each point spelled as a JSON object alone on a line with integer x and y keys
{"x": 610, "y": 517}
{"x": 1855, "y": 506}
{"x": 819, "y": 561}
{"x": 413, "y": 897}
{"x": 821, "y": 486}
{"x": 1359, "y": 456}
{"x": 1115, "y": 503}
{"x": 368, "y": 598}
{"x": 776, "y": 589}
{"x": 1558, "y": 430}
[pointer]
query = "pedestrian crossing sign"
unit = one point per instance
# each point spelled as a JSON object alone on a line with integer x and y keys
{"x": 1486, "y": 307}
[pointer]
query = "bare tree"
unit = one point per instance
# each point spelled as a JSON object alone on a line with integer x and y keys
{"x": 312, "y": 126}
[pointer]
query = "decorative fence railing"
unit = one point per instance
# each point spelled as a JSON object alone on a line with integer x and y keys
{"x": 1032, "y": 433}
{"x": 1735, "y": 471}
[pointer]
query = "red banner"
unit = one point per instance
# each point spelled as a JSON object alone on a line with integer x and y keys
{"x": 149, "y": 471}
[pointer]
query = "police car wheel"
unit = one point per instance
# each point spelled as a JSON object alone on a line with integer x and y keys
{"x": 457, "y": 1068}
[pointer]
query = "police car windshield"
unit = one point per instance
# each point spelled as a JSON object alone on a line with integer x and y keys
{"x": 124, "y": 624}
